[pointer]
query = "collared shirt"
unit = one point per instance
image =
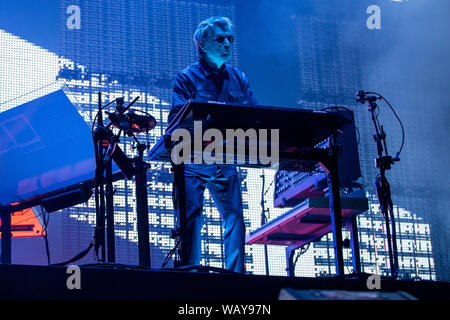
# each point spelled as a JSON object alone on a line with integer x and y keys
{"x": 200, "y": 82}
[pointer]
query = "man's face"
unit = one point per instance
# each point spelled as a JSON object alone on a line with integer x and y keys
{"x": 217, "y": 46}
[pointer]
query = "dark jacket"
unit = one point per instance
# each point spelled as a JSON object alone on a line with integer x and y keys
{"x": 199, "y": 82}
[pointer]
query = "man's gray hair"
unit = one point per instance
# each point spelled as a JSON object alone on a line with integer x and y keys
{"x": 206, "y": 26}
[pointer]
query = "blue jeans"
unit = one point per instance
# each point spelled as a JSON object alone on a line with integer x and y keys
{"x": 226, "y": 193}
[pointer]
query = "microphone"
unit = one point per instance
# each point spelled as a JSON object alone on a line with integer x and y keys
{"x": 361, "y": 97}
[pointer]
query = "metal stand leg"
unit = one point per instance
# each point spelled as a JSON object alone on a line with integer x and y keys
{"x": 290, "y": 250}
{"x": 180, "y": 205}
{"x": 6, "y": 237}
{"x": 110, "y": 213}
{"x": 335, "y": 212}
{"x": 394, "y": 242}
{"x": 142, "y": 209}
{"x": 354, "y": 242}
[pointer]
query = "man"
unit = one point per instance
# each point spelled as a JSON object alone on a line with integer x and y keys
{"x": 211, "y": 79}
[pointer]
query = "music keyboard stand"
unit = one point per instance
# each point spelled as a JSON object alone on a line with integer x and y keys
{"x": 319, "y": 125}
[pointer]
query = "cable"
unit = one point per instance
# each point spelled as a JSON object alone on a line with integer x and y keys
{"x": 177, "y": 237}
{"x": 395, "y": 114}
{"x": 201, "y": 268}
{"x": 96, "y": 115}
{"x": 114, "y": 265}
{"x": 35, "y": 90}
{"x": 97, "y": 197}
{"x": 100, "y": 154}
{"x": 302, "y": 251}
{"x": 380, "y": 127}
{"x": 27, "y": 219}
{"x": 268, "y": 188}
{"x": 45, "y": 219}
{"x": 353, "y": 119}
{"x": 339, "y": 107}
{"x": 171, "y": 253}
{"x": 77, "y": 257}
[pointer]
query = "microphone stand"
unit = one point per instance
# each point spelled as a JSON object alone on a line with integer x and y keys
{"x": 142, "y": 204}
{"x": 105, "y": 142}
{"x": 263, "y": 222}
{"x": 384, "y": 163}
{"x": 104, "y": 139}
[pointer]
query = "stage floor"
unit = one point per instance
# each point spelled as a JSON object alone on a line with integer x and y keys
{"x": 113, "y": 281}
